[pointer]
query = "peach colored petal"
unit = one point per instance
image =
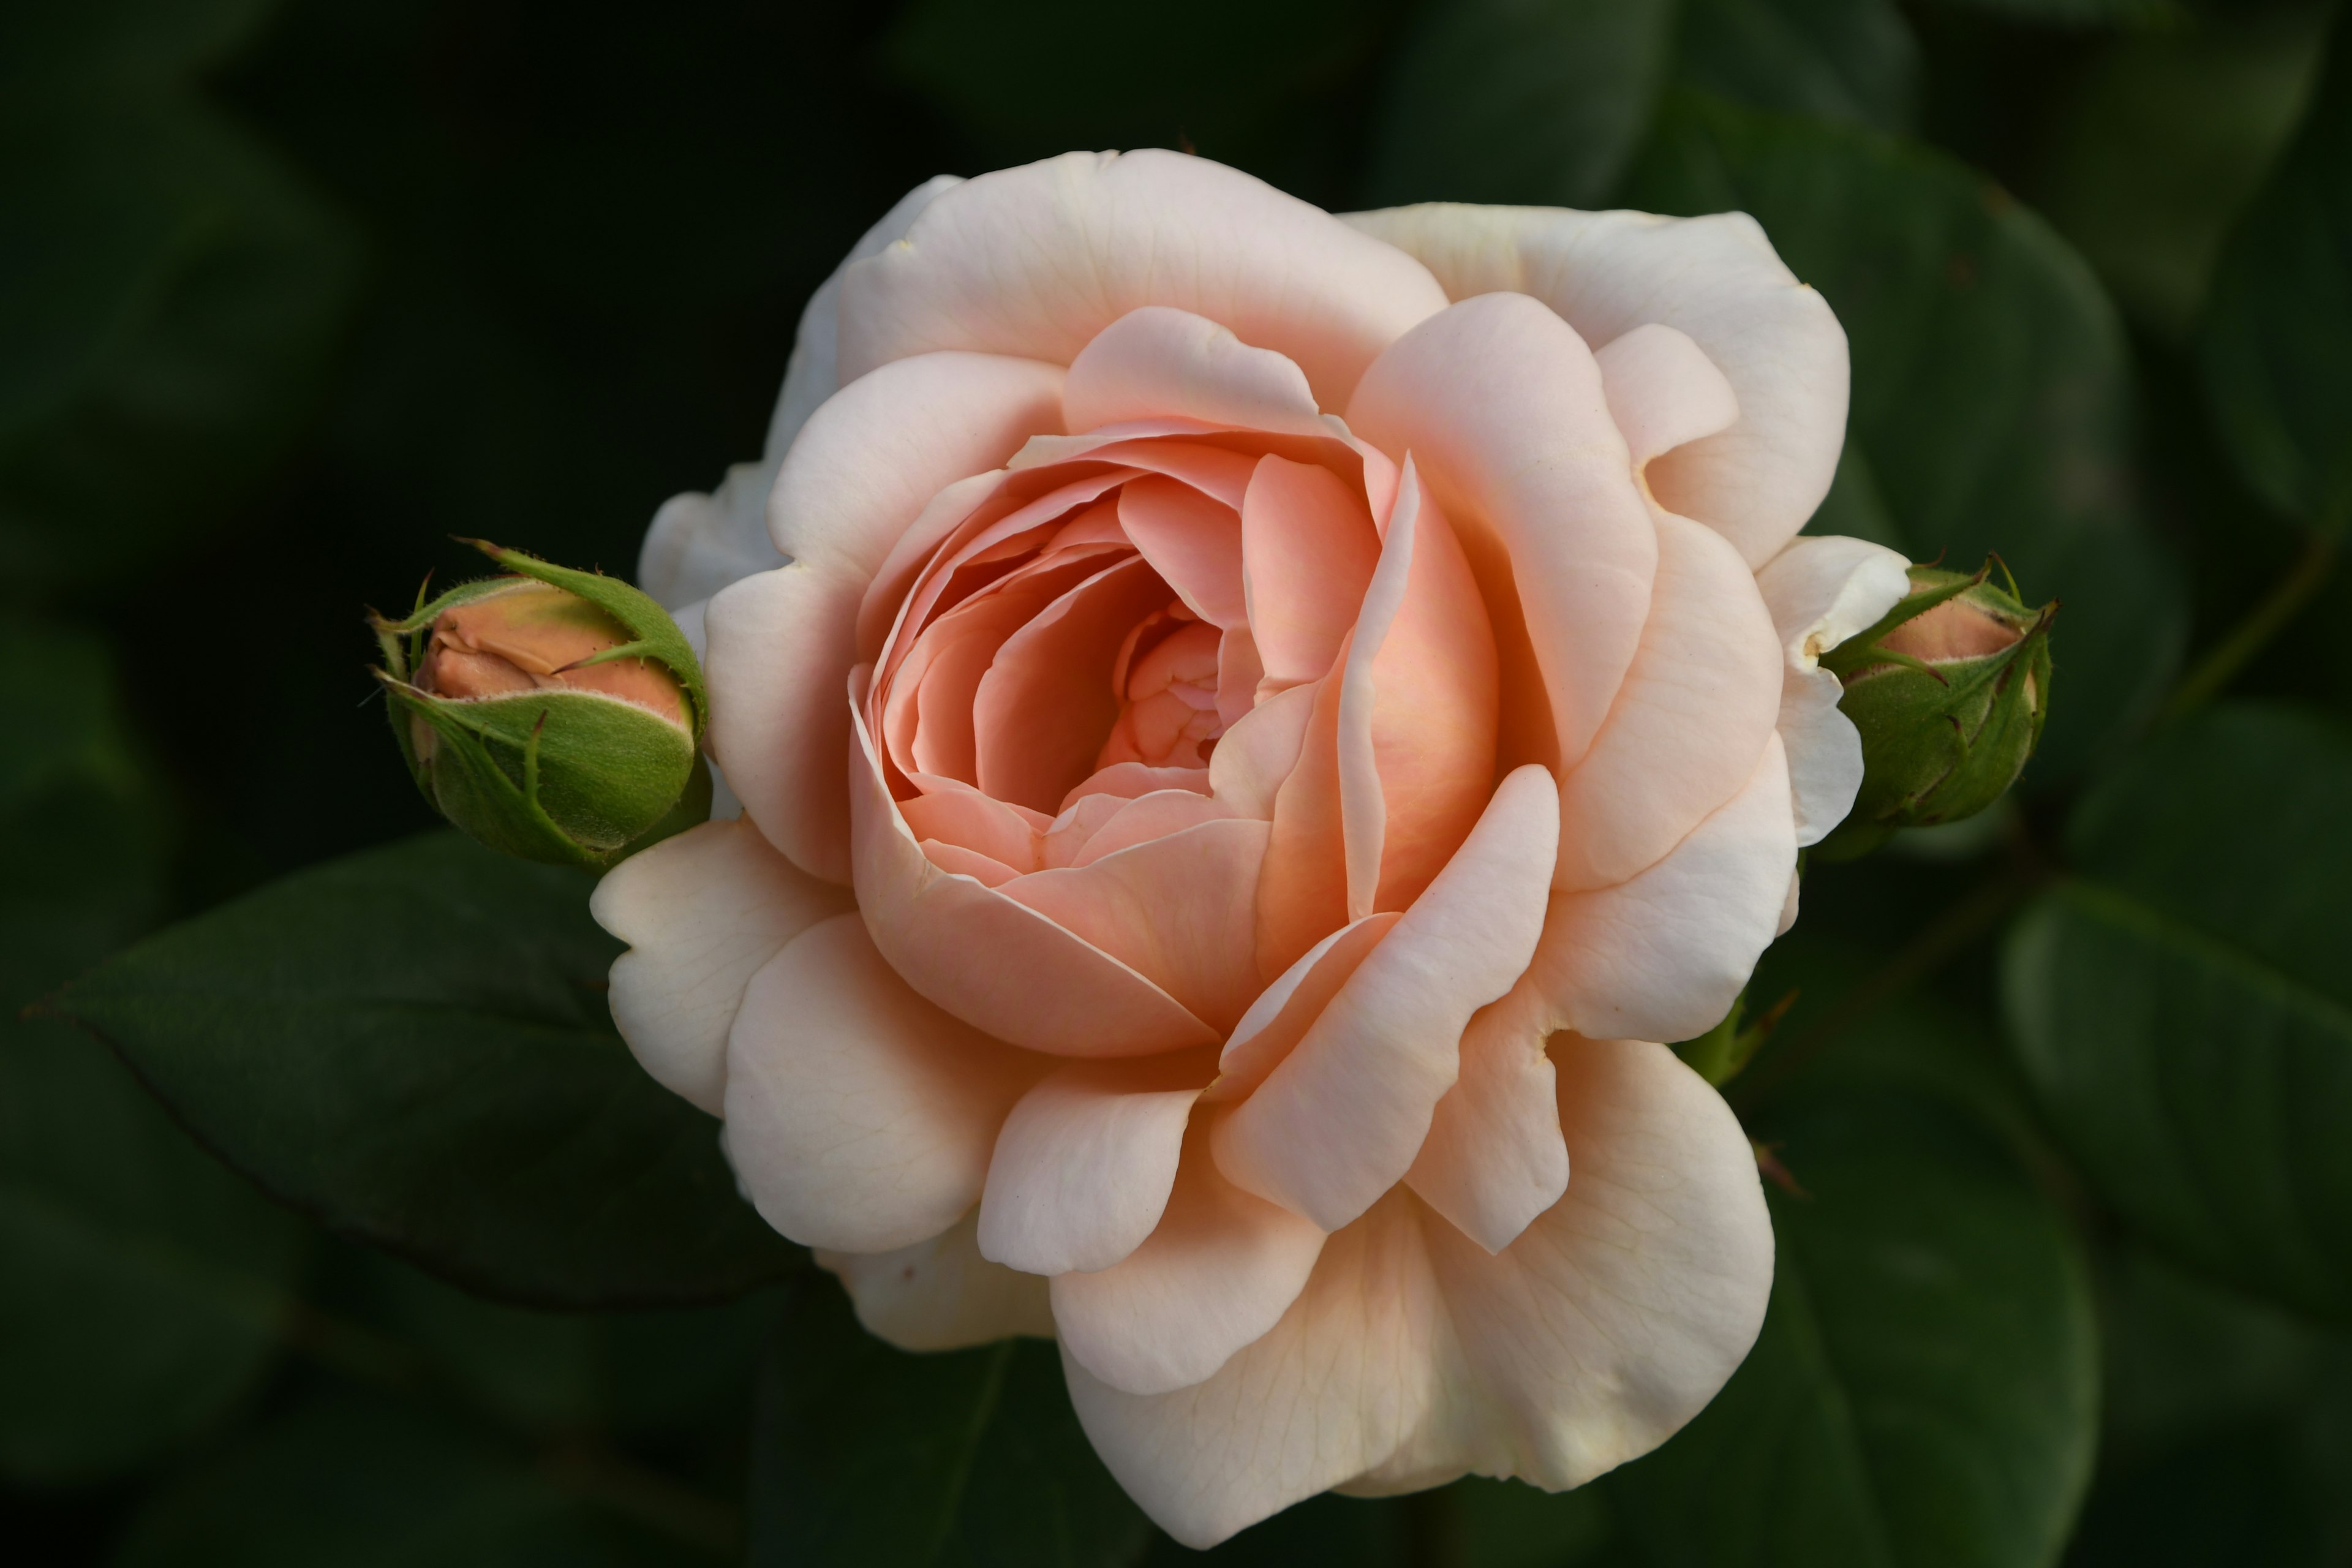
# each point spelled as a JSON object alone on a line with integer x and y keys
{"x": 1338, "y": 1123}
{"x": 1282, "y": 1014}
{"x": 1698, "y": 705}
{"x": 1307, "y": 552}
{"x": 958, "y": 814}
{"x": 1219, "y": 472}
{"x": 1821, "y": 591}
{"x": 1417, "y": 710}
{"x": 1177, "y": 909}
{"x": 1662, "y": 956}
{"x": 1158, "y": 361}
{"x": 701, "y": 913}
{"x": 1256, "y": 754}
{"x": 1495, "y": 1158}
{"x": 1084, "y": 1164}
{"x": 1043, "y": 709}
{"x": 1239, "y": 672}
{"x": 1303, "y": 889}
{"x": 867, "y": 461}
{"x": 1503, "y": 410}
{"x": 1149, "y": 817}
{"x": 1127, "y": 780}
{"x": 1192, "y": 541}
{"x": 1217, "y": 1273}
{"x": 941, "y": 1294}
{"x": 1037, "y": 260}
{"x": 778, "y": 726}
{"x": 993, "y": 962}
{"x": 959, "y": 861}
{"x": 1412, "y": 1356}
{"x": 1620, "y": 1311}
{"x": 1715, "y": 278}
{"x": 859, "y": 1117}
{"x": 1663, "y": 392}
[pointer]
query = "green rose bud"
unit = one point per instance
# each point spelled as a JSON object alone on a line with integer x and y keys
{"x": 554, "y": 715}
{"x": 1949, "y": 690}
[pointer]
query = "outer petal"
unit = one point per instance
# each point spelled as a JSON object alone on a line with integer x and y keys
{"x": 1495, "y": 1158}
{"x": 859, "y": 1117}
{"x": 701, "y": 913}
{"x": 1663, "y": 392}
{"x": 1663, "y": 955}
{"x": 1338, "y": 1123}
{"x": 1620, "y": 1312}
{"x": 699, "y": 544}
{"x": 1821, "y": 591}
{"x": 1717, "y": 279}
{"x": 1159, "y": 362}
{"x": 1219, "y": 1272}
{"x": 1084, "y": 1164}
{"x": 990, "y": 961}
{"x": 1691, "y": 719}
{"x": 941, "y": 1294}
{"x": 1037, "y": 261}
{"x": 1503, "y": 411}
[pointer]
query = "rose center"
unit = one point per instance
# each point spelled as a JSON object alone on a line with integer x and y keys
{"x": 1166, "y": 677}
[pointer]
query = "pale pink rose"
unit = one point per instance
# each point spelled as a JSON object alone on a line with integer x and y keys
{"x": 1247, "y": 724}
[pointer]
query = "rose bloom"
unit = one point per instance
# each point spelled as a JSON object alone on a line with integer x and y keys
{"x": 1249, "y": 724}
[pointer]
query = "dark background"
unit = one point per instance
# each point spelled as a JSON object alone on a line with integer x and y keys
{"x": 292, "y": 292}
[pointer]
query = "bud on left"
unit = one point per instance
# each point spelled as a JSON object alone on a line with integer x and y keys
{"x": 553, "y": 714}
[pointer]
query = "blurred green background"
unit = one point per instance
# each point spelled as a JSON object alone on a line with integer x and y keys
{"x": 292, "y": 290}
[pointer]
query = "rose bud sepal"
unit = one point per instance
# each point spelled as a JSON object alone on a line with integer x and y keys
{"x": 554, "y": 715}
{"x": 1949, "y": 693}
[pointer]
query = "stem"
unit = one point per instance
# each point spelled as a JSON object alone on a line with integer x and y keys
{"x": 2272, "y": 614}
{"x": 1935, "y": 945}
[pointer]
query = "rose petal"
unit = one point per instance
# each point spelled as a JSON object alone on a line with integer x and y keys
{"x": 1286, "y": 1010}
{"x": 1037, "y": 260}
{"x": 1692, "y": 718}
{"x": 701, "y": 913}
{"x": 1307, "y": 553}
{"x": 1821, "y": 591}
{"x": 1217, "y": 1273}
{"x": 1192, "y": 541}
{"x": 1084, "y": 1164}
{"x": 1256, "y": 754}
{"x": 1159, "y": 362}
{"x": 941, "y": 1294}
{"x": 1715, "y": 278}
{"x": 1504, "y": 412}
{"x": 1664, "y": 390}
{"x": 1338, "y": 1123}
{"x": 1662, "y": 956}
{"x": 859, "y": 1117}
{"x": 1046, "y": 703}
{"x": 1495, "y": 1158}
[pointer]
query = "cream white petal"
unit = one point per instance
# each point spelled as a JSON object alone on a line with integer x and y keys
{"x": 940, "y": 1294}
{"x": 1082, "y": 1166}
{"x": 1822, "y": 591}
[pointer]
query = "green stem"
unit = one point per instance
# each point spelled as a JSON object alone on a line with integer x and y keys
{"x": 2275, "y": 611}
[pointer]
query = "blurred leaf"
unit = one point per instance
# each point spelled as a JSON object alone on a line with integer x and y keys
{"x": 2183, "y": 1007}
{"x": 2163, "y": 143}
{"x": 1925, "y": 1388}
{"x": 142, "y": 1288}
{"x": 1989, "y": 382}
{"x": 364, "y": 1484}
{"x": 1834, "y": 59}
{"x": 1361, "y": 1532}
{"x": 2234, "y": 1494}
{"x": 2278, "y": 332}
{"x": 869, "y": 1458}
{"x": 60, "y": 49}
{"x": 413, "y": 1044}
{"x": 2073, "y": 12}
{"x": 1538, "y": 102}
{"x": 169, "y": 299}
{"x": 1508, "y": 1524}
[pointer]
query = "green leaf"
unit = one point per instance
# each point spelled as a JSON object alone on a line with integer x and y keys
{"x": 347, "y": 1482}
{"x": 413, "y": 1044}
{"x": 170, "y": 298}
{"x": 61, "y": 48}
{"x": 869, "y": 1457}
{"x": 2075, "y": 12}
{"x": 1924, "y": 1388}
{"x": 1989, "y": 387}
{"x": 1834, "y": 59}
{"x": 2183, "y": 1007}
{"x": 2278, "y": 332}
{"x": 1538, "y": 102}
{"x": 142, "y": 1288}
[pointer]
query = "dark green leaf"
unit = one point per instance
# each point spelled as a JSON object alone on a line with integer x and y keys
{"x": 1989, "y": 390}
{"x": 413, "y": 1044}
{"x": 364, "y": 1484}
{"x": 169, "y": 299}
{"x": 68, "y": 48}
{"x": 869, "y": 1457}
{"x": 2075, "y": 12}
{"x": 1924, "y": 1388}
{"x": 1834, "y": 59}
{"x": 1527, "y": 101}
{"x": 2183, "y": 1007}
{"x": 2278, "y": 332}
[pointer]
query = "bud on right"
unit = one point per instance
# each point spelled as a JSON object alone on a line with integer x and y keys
{"x": 1949, "y": 690}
